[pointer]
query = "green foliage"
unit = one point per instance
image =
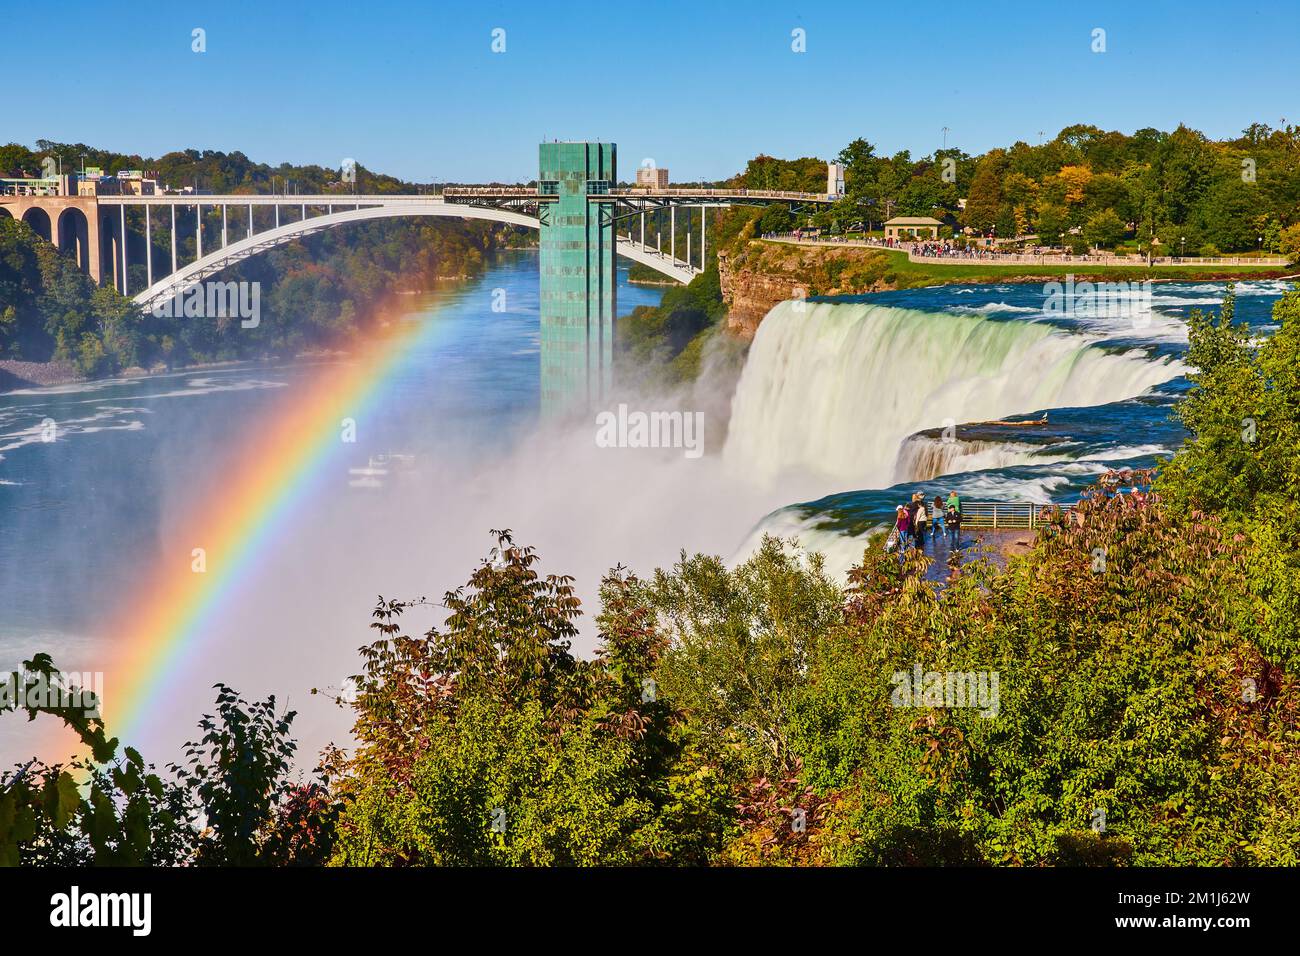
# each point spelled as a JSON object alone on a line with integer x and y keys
{"x": 495, "y": 787}
{"x": 740, "y": 640}
{"x": 807, "y": 174}
{"x": 49, "y": 309}
{"x": 122, "y": 814}
{"x": 775, "y": 218}
{"x": 238, "y": 773}
{"x": 111, "y": 809}
{"x": 652, "y": 338}
{"x": 1104, "y": 229}
{"x": 1289, "y": 243}
{"x": 1120, "y": 692}
{"x": 1241, "y": 461}
{"x": 487, "y": 742}
{"x": 1171, "y": 185}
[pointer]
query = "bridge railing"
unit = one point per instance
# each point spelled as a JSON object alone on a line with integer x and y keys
{"x": 530, "y": 191}
{"x": 637, "y": 192}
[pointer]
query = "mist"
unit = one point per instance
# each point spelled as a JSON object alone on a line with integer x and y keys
{"x": 297, "y": 622}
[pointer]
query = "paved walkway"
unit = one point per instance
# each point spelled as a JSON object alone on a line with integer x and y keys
{"x": 998, "y": 546}
{"x": 1011, "y": 259}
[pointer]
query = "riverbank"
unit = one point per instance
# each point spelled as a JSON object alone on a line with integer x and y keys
{"x": 759, "y": 273}
{"x": 15, "y": 374}
{"x": 18, "y": 374}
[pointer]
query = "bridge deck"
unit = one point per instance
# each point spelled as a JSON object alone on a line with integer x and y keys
{"x": 451, "y": 194}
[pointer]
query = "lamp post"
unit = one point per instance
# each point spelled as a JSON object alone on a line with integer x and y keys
{"x": 1182, "y": 243}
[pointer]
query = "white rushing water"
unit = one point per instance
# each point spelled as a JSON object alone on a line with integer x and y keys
{"x": 835, "y": 388}
{"x": 921, "y": 457}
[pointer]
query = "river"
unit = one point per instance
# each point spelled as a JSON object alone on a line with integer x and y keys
{"x": 839, "y": 413}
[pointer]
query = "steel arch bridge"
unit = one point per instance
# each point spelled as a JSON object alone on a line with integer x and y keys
{"x": 584, "y": 219}
{"x": 384, "y": 208}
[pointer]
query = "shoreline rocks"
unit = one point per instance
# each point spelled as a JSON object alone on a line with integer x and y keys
{"x": 15, "y": 374}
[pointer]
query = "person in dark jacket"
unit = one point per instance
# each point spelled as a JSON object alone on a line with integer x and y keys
{"x": 920, "y": 519}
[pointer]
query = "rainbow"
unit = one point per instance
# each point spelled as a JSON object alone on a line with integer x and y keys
{"x": 162, "y": 625}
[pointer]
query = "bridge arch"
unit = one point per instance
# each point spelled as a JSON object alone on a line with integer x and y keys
{"x": 74, "y": 236}
{"x": 39, "y": 221}
{"x": 234, "y": 252}
{"x": 111, "y": 247}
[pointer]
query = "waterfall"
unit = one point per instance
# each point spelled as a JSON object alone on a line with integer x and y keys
{"x": 835, "y": 388}
{"x": 921, "y": 457}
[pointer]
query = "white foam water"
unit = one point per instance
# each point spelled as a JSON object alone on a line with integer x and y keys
{"x": 921, "y": 457}
{"x": 835, "y": 388}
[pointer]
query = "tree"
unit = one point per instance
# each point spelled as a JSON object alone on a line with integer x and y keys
{"x": 18, "y": 160}
{"x": 739, "y": 641}
{"x": 1229, "y": 215}
{"x": 984, "y": 204}
{"x": 1104, "y": 229}
{"x": 1184, "y": 166}
{"x": 1242, "y": 458}
{"x": 776, "y": 219}
{"x": 120, "y": 813}
{"x": 1217, "y": 468}
{"x": 487, "y": 742}
{"x": 858, "y": 158}
{"x": 1074, "y": 183}
{"x": 1289, "y": 243}
{"x": 239, "y": 774}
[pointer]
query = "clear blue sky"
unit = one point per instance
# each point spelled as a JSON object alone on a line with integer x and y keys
{"x": 414, "y": 89}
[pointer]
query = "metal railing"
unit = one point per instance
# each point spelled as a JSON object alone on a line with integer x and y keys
{"x": 706, "y": 193}
{"x": 529, "y": 191}
{"x": 997, "y": 515}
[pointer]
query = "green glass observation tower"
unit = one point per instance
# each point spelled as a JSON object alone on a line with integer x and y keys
{"x": 578, "y": 275}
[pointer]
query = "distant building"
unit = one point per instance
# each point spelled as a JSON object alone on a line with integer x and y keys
{"x": 30, "y": 186}
{"x": 97, "y": 186}
{"x": 91, "y": 181}
{"x": 135, "y": 182}
{"x": 912, "y": 227}
{"x": 834, "y": 180}
{"x": 129, "y": 182}
{"x": 654, "y": 177}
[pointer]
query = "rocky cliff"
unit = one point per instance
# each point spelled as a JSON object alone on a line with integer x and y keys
{"x": 756, "y": 275}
